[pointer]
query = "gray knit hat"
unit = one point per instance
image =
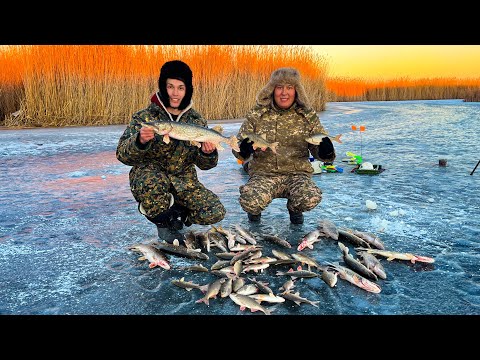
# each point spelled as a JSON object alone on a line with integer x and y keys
{"x": 284, "y": 76}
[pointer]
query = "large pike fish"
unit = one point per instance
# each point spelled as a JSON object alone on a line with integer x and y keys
{"x": 190, "y": 132}
{"x": 394, "y": 255}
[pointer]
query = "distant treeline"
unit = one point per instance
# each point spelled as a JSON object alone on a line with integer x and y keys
{"x": 80, "y": 85}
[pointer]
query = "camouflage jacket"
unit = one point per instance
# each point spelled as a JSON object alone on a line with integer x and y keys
{"x": 177, "y": 159}
{"x": 289, "y": 128}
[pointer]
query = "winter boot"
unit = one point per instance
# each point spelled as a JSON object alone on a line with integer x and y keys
{"x": 254, "y": 218}
{"x": 169, "y": 234}
{"x": 296, "y": 217}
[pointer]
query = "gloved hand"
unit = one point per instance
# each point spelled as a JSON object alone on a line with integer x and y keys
{"x": 325, "y": 149}
{"x": 246, "y": 148}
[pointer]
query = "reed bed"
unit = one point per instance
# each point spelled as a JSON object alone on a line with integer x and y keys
{"x": 80, "y": 85}
{"x": 348, "y": 89}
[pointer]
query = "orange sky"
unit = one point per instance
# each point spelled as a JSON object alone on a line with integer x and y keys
{"x": 379, "y": 62}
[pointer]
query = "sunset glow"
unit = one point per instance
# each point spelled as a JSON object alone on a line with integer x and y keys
{"x": 383, "y": 62}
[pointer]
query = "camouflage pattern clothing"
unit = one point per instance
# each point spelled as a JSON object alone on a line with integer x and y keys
{"x": 286, "y": 174}
{"x": 159, "y": 168}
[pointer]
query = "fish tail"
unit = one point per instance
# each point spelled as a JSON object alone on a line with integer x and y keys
{"x": 233, "y": 142}
{"x": 337, "y": 138}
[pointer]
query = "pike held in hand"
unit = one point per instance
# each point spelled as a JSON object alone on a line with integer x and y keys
{"x": 190, "y": 132}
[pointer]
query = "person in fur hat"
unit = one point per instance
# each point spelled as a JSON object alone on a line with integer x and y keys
{"x": 163, "y": 178}
{"x": 284, "y": 118}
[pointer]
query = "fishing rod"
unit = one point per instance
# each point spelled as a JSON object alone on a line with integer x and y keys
{"x": 475, "y": 168}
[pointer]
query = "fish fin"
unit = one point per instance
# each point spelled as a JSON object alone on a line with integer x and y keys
{"x": 242, "y": 307}
{"x": 182, "y": 278}
{"x": 220, "y": 147}
{"x": 152, "y": 265}
{"x": 314, "y": 303}
{"x": 166, "y": 138}
{"x": 233, "y": 142}
{"x": 195, "y": 143}
{"x": 297, "y": 302}
{"x": 310, "y": 246}
{"x": 273, "y": 146}
{"x": 202, "y": 300}
{"x": 299, "y": 267}
{"x": 188, "y": 289}
{"x": 390, "y": 258}
{"x": 337, "y": 138}
{"x": 218, "y": 128}
{"x": 176, "y": 242}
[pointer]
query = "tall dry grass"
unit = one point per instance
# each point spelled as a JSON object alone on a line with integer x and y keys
{"x": 341, "y": 89}
{"x": 63, "y": 85}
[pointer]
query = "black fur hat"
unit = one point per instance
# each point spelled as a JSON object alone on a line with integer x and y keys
{"x": 175, "y": 69}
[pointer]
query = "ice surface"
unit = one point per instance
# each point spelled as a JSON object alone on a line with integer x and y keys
{"x": 67, "y": 218}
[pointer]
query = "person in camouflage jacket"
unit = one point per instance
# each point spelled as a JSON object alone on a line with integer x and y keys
{"x": 163, "y": 178}
{"x": 282, "y": 115}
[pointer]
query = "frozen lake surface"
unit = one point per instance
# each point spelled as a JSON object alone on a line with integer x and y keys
{"x": 67, "y": 218}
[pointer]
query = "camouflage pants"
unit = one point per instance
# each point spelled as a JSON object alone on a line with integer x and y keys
{"x": 151, "y": 188}
{"x": 300, "y": 190}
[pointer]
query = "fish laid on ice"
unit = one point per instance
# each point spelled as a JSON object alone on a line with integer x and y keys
{"x": 299, "y": 273}
{"x": 309, "y": 239}
{"x": 212, "y": 291}
{"x": 152, "y": 254}
{"x": 371, "y": 239}
{"x": 180, "y": 250}
{"x": 394, "y": 255}
{"x": 328, "y": 229}
{"x": 277, "y": 240}
{"x": 248, "y": 302}
{"x": 187, "y": 285}
{"x": 356, "y": 279}
{"x": 371, "y": 262}
{"x": 348, "y": 235}
{"x": 297, "y": 299}
{"x": 260, "y": 141}
{"x": 329, "y": 277}
{"x": 355, "y": 264}
{"x": 316, "y": 139}
{"x": 196, "y": 134}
